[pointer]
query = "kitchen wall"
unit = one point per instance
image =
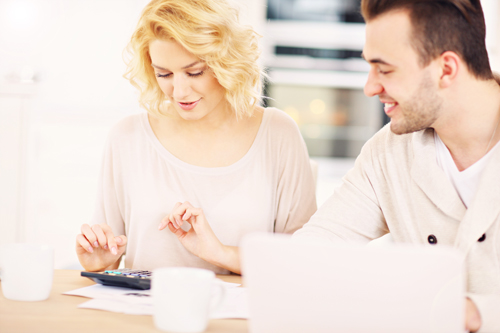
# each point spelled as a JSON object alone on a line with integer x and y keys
{"x": 491, "y": 10}
{"x": 61, "y": 89}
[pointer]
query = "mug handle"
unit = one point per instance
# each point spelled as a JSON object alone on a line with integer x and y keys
{"x": 218, "y": 300}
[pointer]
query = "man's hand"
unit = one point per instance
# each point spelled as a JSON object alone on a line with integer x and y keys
{"x": 472, "y": 316}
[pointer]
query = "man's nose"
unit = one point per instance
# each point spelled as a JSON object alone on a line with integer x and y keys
{"x": 373, "y": 87}
{"x": 182, "y": 89}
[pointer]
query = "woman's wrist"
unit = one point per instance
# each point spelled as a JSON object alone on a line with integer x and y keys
{"x": 226, "y": 257}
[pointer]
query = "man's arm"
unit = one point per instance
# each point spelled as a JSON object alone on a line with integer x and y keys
{"x": 353, "y": 212}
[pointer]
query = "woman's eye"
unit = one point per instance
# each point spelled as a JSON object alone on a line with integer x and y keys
{"x": 383, "y": 72}
{"x": 196, "y": 74}
{"x": 163, "y": 75}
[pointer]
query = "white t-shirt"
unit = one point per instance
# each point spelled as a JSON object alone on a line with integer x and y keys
{"x": 466, "y": 181}
{"x": 270, "y": 189}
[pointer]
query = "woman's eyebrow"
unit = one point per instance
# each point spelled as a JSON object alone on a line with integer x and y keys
{"x": 188, "y": 66}
{"x": 158, "y": 67}
{"x": 191, "y": 65}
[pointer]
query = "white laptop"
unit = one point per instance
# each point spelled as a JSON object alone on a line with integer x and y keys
{"x": 299, "y": 287}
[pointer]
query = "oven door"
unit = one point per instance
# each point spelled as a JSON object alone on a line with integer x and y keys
{"x": 330, "y": 108}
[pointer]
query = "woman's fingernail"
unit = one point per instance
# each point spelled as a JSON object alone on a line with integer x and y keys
{"x": 96, "y": 244}
{"x": 105, "y": 247}
{"x": 113, "y": 250}
{"x": 118, "y": 239}
{"x": 159, "y": 227}
{"x": 90, "y": 249}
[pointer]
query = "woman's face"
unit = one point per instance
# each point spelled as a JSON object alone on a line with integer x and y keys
{"x": 187, "y": 81}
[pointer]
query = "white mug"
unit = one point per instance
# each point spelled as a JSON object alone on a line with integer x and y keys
{"x": 181, "y": 298}
{"x": 26, "y": 271}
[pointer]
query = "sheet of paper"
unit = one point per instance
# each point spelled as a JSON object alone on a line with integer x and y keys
{"x": 139, "y": 302}
{"x": 125, "y": 295}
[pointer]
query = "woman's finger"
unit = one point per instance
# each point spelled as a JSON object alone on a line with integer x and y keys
{"x": 183, "y": 210}
{"x": 194, "y": 216}
{"x": 121, "y": 240}
{"x": 89, "y": 235}
{"x": 176, "y": 213}
{"x": 176, "y": 231}
{"x": 84, "y": 243}
{"x": 173, "y": 221}
{"x": 164, "y": 222}
{"x": 101, "y": 237}
{"x": 110, "y": 239}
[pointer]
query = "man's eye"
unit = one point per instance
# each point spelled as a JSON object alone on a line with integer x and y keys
{"x": 383, "y": 72}
{"x": 163, "y": 75}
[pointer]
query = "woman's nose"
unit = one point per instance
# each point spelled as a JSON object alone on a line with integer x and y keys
{"x": 182, "y": 89}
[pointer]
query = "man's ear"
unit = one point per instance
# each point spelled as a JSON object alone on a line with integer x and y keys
{"x": 450, "y": 64}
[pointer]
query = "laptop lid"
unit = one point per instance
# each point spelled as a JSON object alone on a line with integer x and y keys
{"x": 303, "y": 287}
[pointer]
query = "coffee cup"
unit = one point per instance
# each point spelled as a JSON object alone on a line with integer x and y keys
{"x": 26, "y": 271}
{"x": 182, "y": 298}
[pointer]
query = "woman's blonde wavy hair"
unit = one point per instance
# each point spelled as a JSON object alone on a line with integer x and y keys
{"x": 210, "y": 30}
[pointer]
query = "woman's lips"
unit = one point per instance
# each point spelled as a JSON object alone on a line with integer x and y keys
{"x": 188, "y": 106}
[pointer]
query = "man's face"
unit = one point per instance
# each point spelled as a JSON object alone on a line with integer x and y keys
{"x": 409, "y": 91}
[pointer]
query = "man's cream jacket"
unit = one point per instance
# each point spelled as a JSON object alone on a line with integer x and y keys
{"x": 396, "y": 186}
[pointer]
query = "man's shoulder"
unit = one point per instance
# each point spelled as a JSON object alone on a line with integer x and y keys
{"x": 386, "y": 144}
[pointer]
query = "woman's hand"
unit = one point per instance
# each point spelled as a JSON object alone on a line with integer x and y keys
{"x": 472, "y": 316}
{"x": 97, "y": 248}
{"x": 200, "y": 240}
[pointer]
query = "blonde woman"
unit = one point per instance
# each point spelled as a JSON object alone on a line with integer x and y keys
{"x": 183, "y": 183}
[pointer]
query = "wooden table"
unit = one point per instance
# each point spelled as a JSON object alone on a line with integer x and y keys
{"x": 59, "y": 313}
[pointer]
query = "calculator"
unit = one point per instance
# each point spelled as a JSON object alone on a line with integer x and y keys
{"x": 125, "y": 277}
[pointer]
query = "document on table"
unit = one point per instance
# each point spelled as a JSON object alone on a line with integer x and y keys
{"x": 139, "y": 302}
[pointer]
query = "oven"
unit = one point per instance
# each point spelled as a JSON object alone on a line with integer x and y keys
{"x": 312, "y": 50}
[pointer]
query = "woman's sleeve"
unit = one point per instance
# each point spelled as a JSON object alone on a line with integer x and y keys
{"x": 296, "y": 193}
{"x": 107, "y": 208}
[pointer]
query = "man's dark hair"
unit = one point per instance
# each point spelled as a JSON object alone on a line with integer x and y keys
{"x": 440, "y": 26}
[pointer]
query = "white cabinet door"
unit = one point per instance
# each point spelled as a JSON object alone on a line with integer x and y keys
{"x": 14, "y": 100}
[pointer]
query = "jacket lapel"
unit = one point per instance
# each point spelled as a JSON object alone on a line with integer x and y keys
{"x": 485, "y": 206}
{"x": 431, "y": 179}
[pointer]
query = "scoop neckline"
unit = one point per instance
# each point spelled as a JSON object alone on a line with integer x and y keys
{"x": 167, "y": 155}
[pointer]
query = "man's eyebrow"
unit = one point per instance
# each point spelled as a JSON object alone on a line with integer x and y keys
{"x": 375, "y": 61}
{"x": 188, "y": 66}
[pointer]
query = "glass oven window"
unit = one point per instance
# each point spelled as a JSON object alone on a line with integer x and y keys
{"x": 315, "y": 10}
{"x": 335, "y": 122}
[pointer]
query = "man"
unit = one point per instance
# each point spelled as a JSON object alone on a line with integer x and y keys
{"x": 433, "y": 175}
